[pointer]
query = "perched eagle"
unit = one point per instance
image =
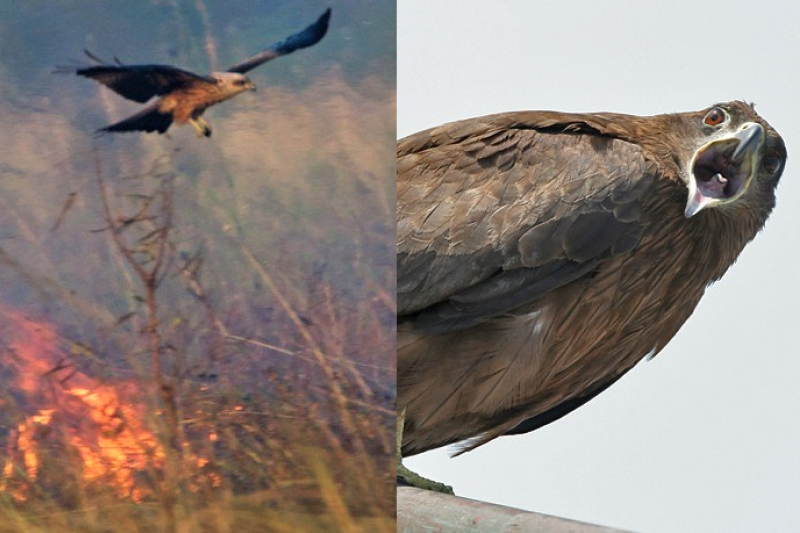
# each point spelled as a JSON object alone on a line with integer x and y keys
{"x": 184, "y": 96}
{"x": 541, "y": 255}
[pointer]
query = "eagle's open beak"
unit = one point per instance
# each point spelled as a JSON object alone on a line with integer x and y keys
{"x": 252, "y": 87}
{"x": 722, "y": 170}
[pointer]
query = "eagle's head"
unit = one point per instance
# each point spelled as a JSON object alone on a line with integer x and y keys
{"x": 233, "y": 83}
{"x": 739, "y": 159}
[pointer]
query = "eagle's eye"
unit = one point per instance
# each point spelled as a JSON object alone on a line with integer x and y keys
{"x": 715, "y": 117}
{"x": 771, "y": 163}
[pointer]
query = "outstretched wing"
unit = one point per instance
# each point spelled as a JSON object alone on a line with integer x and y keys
{"x": 495, "y": 213}
{"x": 308, "y": 37}
{"x": 141, "y": 82}
{"x": 148, "y": 119}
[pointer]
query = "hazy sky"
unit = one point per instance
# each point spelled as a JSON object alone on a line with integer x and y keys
{"x": 704, "y": 437}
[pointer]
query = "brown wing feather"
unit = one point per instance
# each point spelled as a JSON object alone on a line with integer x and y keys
{"x": 498, "y": 218}
{"x": 507, "y": 226}
{"x": 142, "y": 82}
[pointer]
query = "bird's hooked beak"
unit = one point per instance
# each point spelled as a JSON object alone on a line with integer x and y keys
{"x": 722, "y": 170}
{"x": 252, "y": 86}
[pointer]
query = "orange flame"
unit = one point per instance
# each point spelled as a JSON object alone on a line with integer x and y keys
{"x": 121, "y": 446}
{"x": 108, "y": 433}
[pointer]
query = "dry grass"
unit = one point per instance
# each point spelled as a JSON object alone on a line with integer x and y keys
{"x": 272, "y": 310}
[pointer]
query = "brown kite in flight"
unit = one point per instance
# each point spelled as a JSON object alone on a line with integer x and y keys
{"x": 541, "y": 255}
{"x": 184, "y": 96}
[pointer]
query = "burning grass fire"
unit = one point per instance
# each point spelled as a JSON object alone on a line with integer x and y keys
{"x": 79, "y": 433}
{"x": 72, "y": 441}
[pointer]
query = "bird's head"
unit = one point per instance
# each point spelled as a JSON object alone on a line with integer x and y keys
{"x": 739, "y": 159}
{"x": 233, "y": 83}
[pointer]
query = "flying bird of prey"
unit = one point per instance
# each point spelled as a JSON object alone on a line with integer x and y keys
{"x": 541, "y": 255}
{"x": 184, "y": 96}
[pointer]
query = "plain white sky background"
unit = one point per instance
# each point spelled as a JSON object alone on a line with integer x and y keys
{"x": 706, "y": 437}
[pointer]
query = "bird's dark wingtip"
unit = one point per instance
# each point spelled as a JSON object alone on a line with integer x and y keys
{"x": 325, "y": 18}
{"x": 314, "y": 33}
{"x": 93, "y": 57}
{"x": 308, "y": 36}
{"x": 78, "y": 66}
